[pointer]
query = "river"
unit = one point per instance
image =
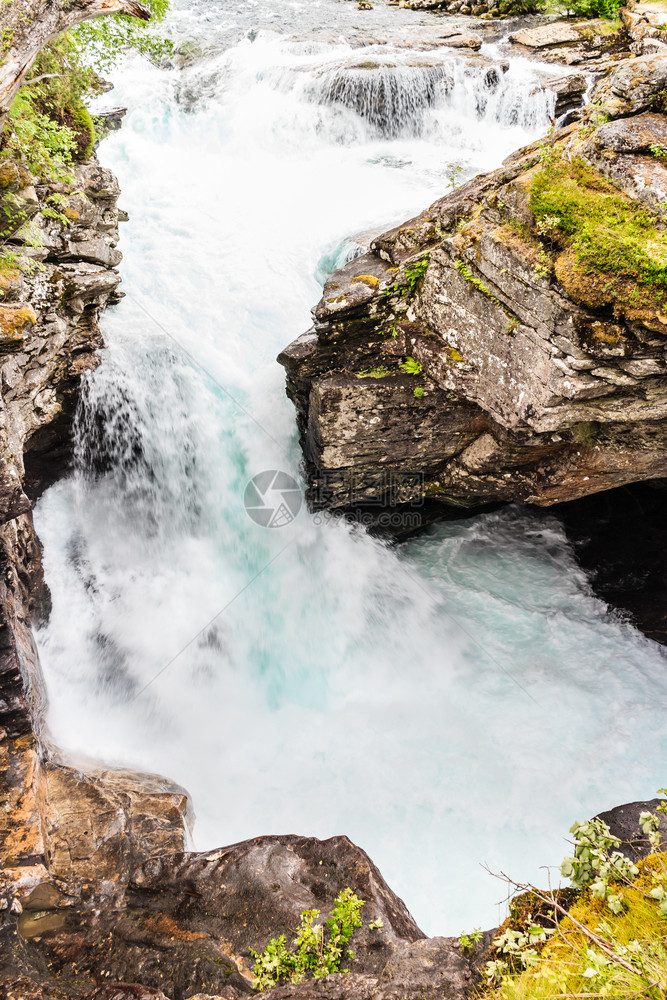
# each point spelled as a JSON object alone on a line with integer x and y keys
{"x": 453, "y": 702}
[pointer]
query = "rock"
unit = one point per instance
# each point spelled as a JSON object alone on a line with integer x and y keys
{"x": 108, "y": 122}
{"x": 633, "y": 86}
{"x": 250, "y": 892}
{"x": 226, "y": 993}
{"x": 335, "y": 987}
{"x": 546, "y": 35}
{"x": 620, "y": 540}
{"x": 432, "y": 969}
{"x": 623, "y": 151}
{"x": 644, "y": 22}
{"x": 569, "y": 91}
{"x": 126, "y": 991}
{"x": 632, "y": 135}
{"x": 623, "y": 822}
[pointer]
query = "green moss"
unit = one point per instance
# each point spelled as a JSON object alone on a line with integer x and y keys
{"x": 605, "y": 231}
{"x": 379, "y": 372}
{"x": 84, "y": 130}
{"x": 465, "y": 271}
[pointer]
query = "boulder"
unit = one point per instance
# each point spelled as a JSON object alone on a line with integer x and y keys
{"x": 633, "y": 86}
{"x": 546, "y": 35}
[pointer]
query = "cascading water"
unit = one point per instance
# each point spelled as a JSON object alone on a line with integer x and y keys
{"x": 458, "y": 700}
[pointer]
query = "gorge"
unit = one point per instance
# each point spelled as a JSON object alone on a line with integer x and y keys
{"x": 310, "y": 680}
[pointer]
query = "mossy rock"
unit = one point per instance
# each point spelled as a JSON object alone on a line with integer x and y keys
{"x": 13, "y": 320}
{"x": 81, "y": 123}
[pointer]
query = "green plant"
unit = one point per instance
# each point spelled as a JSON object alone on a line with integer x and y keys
{"x": 465, "y": 272}
{"x": 658, "y": 150}
{"x": 468, "y": 941}
{"x": 48, "y": 125}
{"x": 313, "y": 952}
{"x": 453, "y": 175}
{"x": 419, "y": 392}
{"x": 411, "y": 366}
{"x": 608, "y": 9}
{"x": 592, "y": 864}
{"x": 415, "y": 272}
{"x": 519, "y": 950}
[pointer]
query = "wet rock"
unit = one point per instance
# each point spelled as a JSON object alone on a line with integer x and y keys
{"x": 569, "y": 91}
{"x": 620, "y": 539}
{"x": 108, "y": 122}
{"x": 250, "y": 892}
{"x": 336, "y": 987}
{"x": 433, "y": 969}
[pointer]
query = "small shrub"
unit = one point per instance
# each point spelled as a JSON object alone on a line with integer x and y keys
{"x": 607, "y": 9}
{"x": 313, "y": 952}
{"x": 411, "y": 366}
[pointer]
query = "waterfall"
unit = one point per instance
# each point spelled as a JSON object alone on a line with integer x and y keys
{"x": 456, "y": 700}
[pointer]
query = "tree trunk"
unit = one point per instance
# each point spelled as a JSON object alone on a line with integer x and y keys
{"x": 26, "y": 26}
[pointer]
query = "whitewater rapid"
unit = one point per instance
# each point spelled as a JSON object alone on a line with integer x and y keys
{"x": 456, "y": 701}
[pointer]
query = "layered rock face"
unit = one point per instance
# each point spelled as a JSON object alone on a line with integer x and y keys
{"x": 467, "y": 360}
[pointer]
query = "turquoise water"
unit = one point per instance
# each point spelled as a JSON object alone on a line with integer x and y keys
{"x": 453, "y": 702}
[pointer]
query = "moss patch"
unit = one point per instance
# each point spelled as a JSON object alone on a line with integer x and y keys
{"x": 614, "y": 251}
{"x": 13, "y": 320}
{"x": 366, "y": 279}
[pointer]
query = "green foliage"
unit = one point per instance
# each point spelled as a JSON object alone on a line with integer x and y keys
{"x": 379, "y": 372}
{"x": 105, "y": 39}
{"x": 411, "y": 366}
{"x": 453, "y": 175}
{"x": 313, "y": 952}
{"x": 415, "y": 272}
{"x": 512, "y": 8}
{"x": 468, "y": 941}
{"x": 592, "y": 864}
{"x": 608, "y": 9}
{"x": 48, "y": 125}
{"x": 419, "y": 392}
{"x": 658, "y": 151}
{"x": 518, "y": 949}
{"x": 45, "y": 145}
{"x": 607, "y": 231}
